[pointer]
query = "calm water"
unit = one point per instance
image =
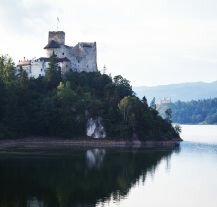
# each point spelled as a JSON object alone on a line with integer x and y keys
{"x": 183, "y": 177}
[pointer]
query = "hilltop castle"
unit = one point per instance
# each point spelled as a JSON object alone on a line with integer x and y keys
{"x": 81, "y": 57}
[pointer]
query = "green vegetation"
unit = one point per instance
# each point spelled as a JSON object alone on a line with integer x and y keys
{"x": 192, "y": 112}
{"x": 59, "y": 106}
{"x": 195, "y": 112}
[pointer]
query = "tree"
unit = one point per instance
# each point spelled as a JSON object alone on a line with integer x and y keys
{"x": 144, "y": 101}
{"x": 168, "y": 114}
{"x": 65, "y": 93}
{"x": 133, "y": 111}
{"x": 22, "y": 78}
{"x": 153, "y": 104}
{"x": 7, "y": 70}
{"x": 122, "y": 88}
{"x": 178, "y": 129}
{"x": 53, "y": 72}
{"x": 119, "y": 80}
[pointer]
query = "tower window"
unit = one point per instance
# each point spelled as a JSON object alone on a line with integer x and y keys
{"x": 63, "y": 53}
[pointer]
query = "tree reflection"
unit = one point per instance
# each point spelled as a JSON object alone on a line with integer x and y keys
{"x": 78, "y": 178}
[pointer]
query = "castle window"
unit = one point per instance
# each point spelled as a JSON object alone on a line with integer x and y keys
{"x": 63, "y": 53}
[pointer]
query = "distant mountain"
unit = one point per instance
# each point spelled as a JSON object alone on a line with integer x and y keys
{"x": 182, "y": 91}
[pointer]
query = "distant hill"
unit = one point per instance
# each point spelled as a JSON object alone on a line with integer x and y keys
{"x": 183, "y": 91}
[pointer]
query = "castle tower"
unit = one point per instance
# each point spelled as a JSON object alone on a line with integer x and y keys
{"x": 81, "y": 57}
{"x": 57, "y": 36}
{"x": 56, "y": 40}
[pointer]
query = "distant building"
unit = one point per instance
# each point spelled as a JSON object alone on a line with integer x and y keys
{"x": 81, "y": 57}
{"x": 164, "y": 100}
{"x": 162, "y": 105}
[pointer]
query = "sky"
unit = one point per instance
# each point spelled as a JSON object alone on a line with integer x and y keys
{"x": 149, "y": 42}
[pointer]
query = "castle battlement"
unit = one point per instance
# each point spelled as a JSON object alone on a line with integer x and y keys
{"x": 58, "y": 36}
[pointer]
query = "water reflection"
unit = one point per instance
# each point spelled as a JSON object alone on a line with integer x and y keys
{"x": 80, "y": 178}
{"x": 95, "y": 157}
{"x": 34, "y": 202}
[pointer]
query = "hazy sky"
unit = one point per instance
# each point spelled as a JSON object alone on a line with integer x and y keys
{"x": 150, "y": 42}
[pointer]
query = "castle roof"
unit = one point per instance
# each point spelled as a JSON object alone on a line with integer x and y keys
{"x": 52, "y": 44}
{"x": 45, "y": 59}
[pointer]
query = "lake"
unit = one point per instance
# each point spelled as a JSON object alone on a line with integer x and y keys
{"x": 185, "y": 176}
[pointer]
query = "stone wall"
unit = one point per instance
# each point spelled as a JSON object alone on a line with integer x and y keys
{"x": 37, "y": 68}
{"x": 83, "y": 57}
{"x": 58, "y": 36}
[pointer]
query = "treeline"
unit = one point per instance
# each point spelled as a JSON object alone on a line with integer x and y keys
{"x": 195, "y": 112}
{"x": 59, "y": 106}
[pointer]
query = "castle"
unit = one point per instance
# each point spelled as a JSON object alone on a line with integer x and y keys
{"x": 81, "y": 57}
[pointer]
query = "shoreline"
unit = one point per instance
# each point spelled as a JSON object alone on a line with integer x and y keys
{"x": 57, "y": 143}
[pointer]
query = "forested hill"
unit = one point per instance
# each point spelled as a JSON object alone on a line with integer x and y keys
{"x": 61, "y": 106}
{"x": 193, "y": 112}
{"x": 182, "y": 91}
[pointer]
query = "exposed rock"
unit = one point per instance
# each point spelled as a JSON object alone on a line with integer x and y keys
{"x": 95, "y": 129}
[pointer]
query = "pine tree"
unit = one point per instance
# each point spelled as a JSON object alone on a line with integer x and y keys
{"x": 53, "y": 72}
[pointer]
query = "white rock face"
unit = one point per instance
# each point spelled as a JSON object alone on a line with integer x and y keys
{"x": 95, "y": 128}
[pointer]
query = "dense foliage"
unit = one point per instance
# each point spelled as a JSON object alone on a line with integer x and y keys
{"x": 59, "y": 106}
{"x": 194, "y": 112}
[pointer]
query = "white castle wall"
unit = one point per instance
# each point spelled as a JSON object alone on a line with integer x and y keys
{"x": 82, "y": 57}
